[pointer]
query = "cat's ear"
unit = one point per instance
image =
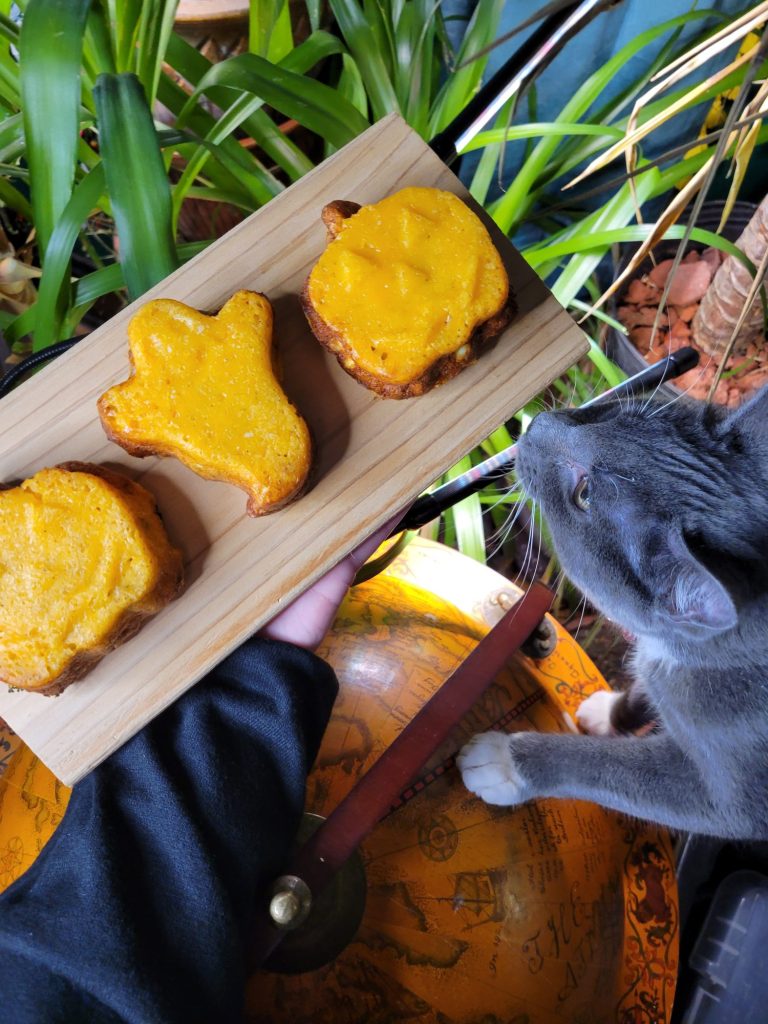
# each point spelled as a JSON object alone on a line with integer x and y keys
{"x": 692, "y": 595}
{"x": 751, "y": 418}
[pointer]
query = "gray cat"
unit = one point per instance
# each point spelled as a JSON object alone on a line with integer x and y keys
{"x": 659, "y": 513}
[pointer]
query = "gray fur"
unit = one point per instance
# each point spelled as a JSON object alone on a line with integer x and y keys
{"x": 673, "y": 548}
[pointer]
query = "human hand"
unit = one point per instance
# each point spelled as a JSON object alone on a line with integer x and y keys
{"x": 307, "y": 619}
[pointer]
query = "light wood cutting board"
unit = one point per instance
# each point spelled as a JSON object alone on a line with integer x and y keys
{"x": 374, "y": 456}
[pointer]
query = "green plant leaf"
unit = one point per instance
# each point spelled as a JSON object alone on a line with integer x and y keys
{"x": 98, "y": 55}
{"x": 612, "y": 373}
{"x": 351, "y": 86}
{"x": 460, "y": 86}
{"x": 515, "y": 203}
{"x": 281, "y": 42}
{"x": 50, "y": 91}
{"x": 466, "y": 517}
{"x": 49, "y": 311}
{"x": 368, "y": 53}
{"x": 138, "y": 185}
{"x": 631, "y": 233}
{"x": 414, "y": 54}
{"x": 264, "y": 16}
{"x": 316, "y": 106}
{"x": 154, "y": 30}
{"x": 491, "y": 157}
{"x": 541, "y": 130}
{"x": 11, "y": 197}
{"x": 124, "y": 18}
{"x": 314, "y": 10}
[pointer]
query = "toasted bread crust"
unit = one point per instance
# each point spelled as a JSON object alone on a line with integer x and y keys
{"x": 169, "y": 583}
{"x": 253, "y": 508}
{"x": 443, "y": 369}
{"x": 439, "y": 372}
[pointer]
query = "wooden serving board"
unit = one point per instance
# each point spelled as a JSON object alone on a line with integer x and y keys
{"x": 373, "y": 456}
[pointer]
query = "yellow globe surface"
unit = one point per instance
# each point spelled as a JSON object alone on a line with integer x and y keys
{"x": 558, "y": 911}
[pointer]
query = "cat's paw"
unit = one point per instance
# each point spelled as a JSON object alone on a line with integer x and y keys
{"x": 490, "y": 770}
{"x": 594, "y": 713}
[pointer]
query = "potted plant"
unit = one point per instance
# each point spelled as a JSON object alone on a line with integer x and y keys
{"x": 658, "y": 286}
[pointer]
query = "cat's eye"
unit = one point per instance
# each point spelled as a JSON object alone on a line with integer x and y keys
{"x": 582, "y": 494}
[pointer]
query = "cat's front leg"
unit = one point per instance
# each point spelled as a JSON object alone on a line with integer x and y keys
{"x": 647, "y": 778}
{"x": 491, "y": 769}
{"x": 612, "y": 713}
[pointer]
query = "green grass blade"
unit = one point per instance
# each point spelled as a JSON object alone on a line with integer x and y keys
{"x": 269, "y": 33}
{"x": 585, "y": 307}
{"x": 368, "y": 53}
{"x": 220, "y": 144}
{"x": 314, "y": 11}
{"x": 50, "y": 91}
{"x": 138, "y": 184}
{"x": 50, "y": 310}
{"x": 314, "y": 105}
{"x": 124, "y": 18}
{"x": 200, "y": 123}
{"x": 278, "y": 146}
{"x": 490, "y": 158}
{"x": 155, "y": 27}
{"x": 9, "y": 29}
{"x": 620, "y": 209}
{"x": 575, "y": 152}
{"x": 610, "y": 371}
{"x": 10, "y": 93}
{"x": 541, "y": 129}
{"x": 466, "y": 517}
{"x": 98, "y": 55}
{"x": 11, "y": 197}
{"x": 12, "y": 144}
{"x": 351, "y": 86}
{"x": 414, "y": 34}
{"x": 462, "y": 85}
{"x": 281, "y": 42}
{"x": 594, "y": 240}
{"x": 261, "y": 24}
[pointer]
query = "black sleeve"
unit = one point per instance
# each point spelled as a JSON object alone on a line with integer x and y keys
{"x": 140, "y": 906}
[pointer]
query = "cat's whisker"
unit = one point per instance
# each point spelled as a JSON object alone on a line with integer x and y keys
{"x": 528, "y": 557}
{"x": 699, "y": 374}
{"x": 501, "y": 535}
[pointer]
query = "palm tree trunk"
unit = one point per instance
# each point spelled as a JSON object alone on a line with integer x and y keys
{"x": 724, "y": 299}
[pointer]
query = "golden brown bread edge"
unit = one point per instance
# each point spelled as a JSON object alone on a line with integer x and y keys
{"x": 333, "y": 216}
{"x": 170, "y": 584}
{"x": 254, "y": 510}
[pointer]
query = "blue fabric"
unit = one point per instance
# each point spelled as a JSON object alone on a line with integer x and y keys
{"x": 140, "y": 906}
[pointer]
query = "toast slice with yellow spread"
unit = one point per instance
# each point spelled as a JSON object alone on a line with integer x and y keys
{"x": 204, "y": 390}
{"x": 86, "y": 561}
{"x": 408, "y": 290}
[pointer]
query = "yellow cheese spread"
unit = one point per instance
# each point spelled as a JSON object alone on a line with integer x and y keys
{"x": 204, "y": 391}
{"x": 78, "y": 554}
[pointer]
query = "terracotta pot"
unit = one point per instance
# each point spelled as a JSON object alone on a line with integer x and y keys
{"x": 618, "y": 346}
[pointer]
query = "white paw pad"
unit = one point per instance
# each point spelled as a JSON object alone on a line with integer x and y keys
{"x": 488, "y": 769}
{"x": 594, "y": 713}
